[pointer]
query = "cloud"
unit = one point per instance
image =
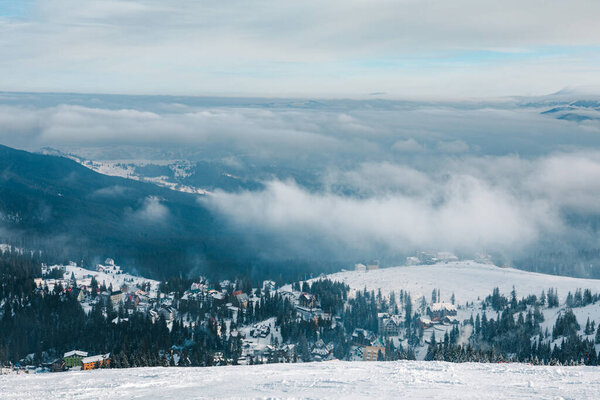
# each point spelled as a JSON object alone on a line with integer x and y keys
{"x": 456, "y": 146}
{"x": 152, "y": 211}
{"x": 408, "y": 146}
{"x": 505, "y": 205}
{"x": 350, "y": 48}
{"x": 111, "y": 191}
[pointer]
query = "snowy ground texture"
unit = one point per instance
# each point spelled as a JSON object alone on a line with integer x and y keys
{"x": 335, "y": 379}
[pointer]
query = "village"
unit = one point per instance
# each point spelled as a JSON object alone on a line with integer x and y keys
{"x": 234, "y": 314}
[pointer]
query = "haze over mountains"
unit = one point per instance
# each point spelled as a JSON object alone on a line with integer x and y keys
{"x": 321, "y": 182}
{"x": 69, "y": 212}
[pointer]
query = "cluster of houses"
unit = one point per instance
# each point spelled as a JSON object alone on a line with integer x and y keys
{"x": 78, "y": 360}
{"x": 439, "y": 314}
{"x": 133, "y": 294}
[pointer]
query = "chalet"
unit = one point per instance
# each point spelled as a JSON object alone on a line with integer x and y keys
{"x": 321, "y": 351}
{"x": 363, "y": 337}
{"x": 93, "y": 362}
{"x": 440, "y": 310}
{"x": 449, "y": 320}
{"x": 73, "y": 358}
{"x": 308, "y": 300}
{"x": 374, "y": 351}
{"x": 389, "y": 325}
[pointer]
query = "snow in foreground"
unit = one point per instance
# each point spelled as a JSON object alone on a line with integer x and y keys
{"x": 335, "y": 379}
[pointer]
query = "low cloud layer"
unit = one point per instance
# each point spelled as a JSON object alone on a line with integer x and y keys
{"x": 365, "y": 179}
{"x": 152, "y": 211}
{"x": 494, "y": 204}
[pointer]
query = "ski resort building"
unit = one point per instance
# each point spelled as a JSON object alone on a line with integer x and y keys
{"x": 389, "y": 325}
{"x": 93, "y": 362}
{"x": 441, "y": 310}
{"x": 73, "y": 358}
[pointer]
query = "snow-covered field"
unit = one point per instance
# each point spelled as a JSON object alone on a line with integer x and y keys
{"x": 468, "y": 280}
{"x": 335, "y": 379}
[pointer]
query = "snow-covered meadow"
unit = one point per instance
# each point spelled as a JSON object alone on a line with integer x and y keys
{"x": 335, "y": 380}
{"x": 468, "y": 280}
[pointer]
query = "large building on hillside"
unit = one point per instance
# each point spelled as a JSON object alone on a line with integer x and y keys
{"x": 441, "y": 310}
{"x": 73, "y": 358}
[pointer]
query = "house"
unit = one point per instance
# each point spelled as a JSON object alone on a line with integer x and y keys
{"x": 168, "y": 313}
{"x": 80, "y": 294}
{"x": 242, "y": 300}
{"x": 308, "y": 300}
{"x": 116, "y": 297}
{"x": 363, "y": 337}
{"x": 73, "y": 358}
{"x": 321, "y": 351}
{"x": 440, "y": 310}
{"x": 58, "y": 365}
{"x": 424, "y": 322}
{"x": 389, "y": 325}
{"x": 374, "y": 351}
{"x": 449, "y": 320}
{"x": 93, "y": 362}
{"x": 360, "y": 267}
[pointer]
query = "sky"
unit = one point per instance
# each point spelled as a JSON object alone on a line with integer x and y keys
{"x": 353, "y": 48}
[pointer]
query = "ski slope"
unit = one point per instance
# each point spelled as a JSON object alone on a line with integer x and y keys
{"x": 334, "y": 380}
{"x": 468, "y": 280}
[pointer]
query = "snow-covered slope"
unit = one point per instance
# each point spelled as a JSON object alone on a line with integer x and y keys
{"x": 335, "y": 379}
{"x": 468, "y": 280}
{"x": 116, "y": 280}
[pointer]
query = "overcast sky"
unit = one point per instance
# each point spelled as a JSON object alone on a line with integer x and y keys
{"x": 349, "y": 48}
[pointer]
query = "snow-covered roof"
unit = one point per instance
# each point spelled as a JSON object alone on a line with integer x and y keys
{"x": 93, "y": 359}
{"x": 75, "y": 353}
{"x": 442, "y": 307}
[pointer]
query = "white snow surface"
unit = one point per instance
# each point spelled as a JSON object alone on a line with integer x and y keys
{"x": 333, "y": 380}
{"x": 468, "y": 280}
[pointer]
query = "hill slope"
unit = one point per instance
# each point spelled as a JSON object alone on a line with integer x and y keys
{"x": 468, "y": 280}
{"x": 70, "y": 212}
